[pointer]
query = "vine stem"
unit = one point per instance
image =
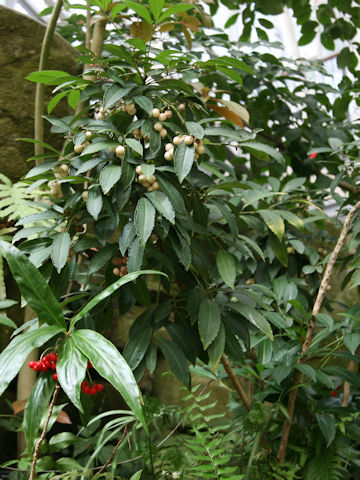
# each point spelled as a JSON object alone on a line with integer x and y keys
{"x": 112, "y": 454}
{"x": 311, "y": 331}
{"x": 236, "y": 382}
{"x": 40, "y": 88}
{"x": 43, "y": 433}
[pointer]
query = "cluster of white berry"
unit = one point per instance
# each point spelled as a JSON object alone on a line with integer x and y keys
{"x": 149, "y": 183}
{"x": 162, "y": 116}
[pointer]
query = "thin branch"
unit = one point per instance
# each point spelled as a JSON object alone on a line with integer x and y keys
{"x": 236, "y": 382}
{"x": 347, "y": 391}
{"x": 112, "y": 454}
{"x": 40, "y": 88}
{"x": 311, "y": 331}
{"x": 43, "y": 433}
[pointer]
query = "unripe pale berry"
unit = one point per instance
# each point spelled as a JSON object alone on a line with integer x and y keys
{"x": 64, "y": 168}
{"x": 99, "y": 116}
{"x": 196, "y": 156}
{"x": 189, "y": 140}
{"x": 131, "y": 110}
{"x": 168, "y": 146}
{"x": 168, "y": 113}
{"x": 138, "y": 170}
{"x": 200, "y": 150}
{"x": 150, "y": 189}
{"x": 79, "y": 148}
{"x": 177, "y": 140}
{"x": 146, "y": 184}
{"x": 182, "y": 107}
{"x": 116, "y": 271}
{"x": 158, "y": 127}
{"x": 156, "y": 186}
{"x": 141, "y": 178}
{"x": 112, "y": 149}
{"x": 168, "y": 156}
{"x": 84, "y": 195}
{"x": 88, "y": 134}
{"x": 120, "y": 151}
{"x": 155, "y": 113}
{"x": 162, "y": 117}
{"x": 152, "y": 179}
{"x": 163, "y": 133}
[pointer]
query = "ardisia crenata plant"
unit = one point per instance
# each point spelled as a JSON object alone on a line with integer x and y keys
{"x": 193, "y": 183}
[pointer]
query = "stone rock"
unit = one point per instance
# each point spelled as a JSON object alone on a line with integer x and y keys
{"x": 20, "y": 40}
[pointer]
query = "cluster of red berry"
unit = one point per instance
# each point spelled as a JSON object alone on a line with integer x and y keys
{"x": 49, "y": 362}
{"x": 91, "y": 389}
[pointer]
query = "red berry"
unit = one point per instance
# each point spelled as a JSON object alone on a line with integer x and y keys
{"x": 93, "y": 390}
{"x": 53, "y": 366}
{"x": 37, "y": 366}
{"x": 55, "y": 377}
{"x": 99, "y": 387}
{"x": 86, "y": 389}
{"x": 89, "y": 364}
{"x": 334, "y": 393}
{"x": 312, "y": 155}
{"x": 31, "y": 364}
{"x": 44, "y": 368}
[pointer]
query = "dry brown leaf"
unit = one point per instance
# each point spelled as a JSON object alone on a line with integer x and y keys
{"x": 187, "y": 36}
{"x": 18, "y": 406}
{"x": 64, "y": 418}
{"x": 227, "y": 113}
{"x": 191, "y": 22}
{"x": 167, "y": 27}
{"x": 141, "y": 30}
{"x": 236, "y": 108}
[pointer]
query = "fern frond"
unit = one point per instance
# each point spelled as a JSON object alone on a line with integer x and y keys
{"x": 16, "y": 200}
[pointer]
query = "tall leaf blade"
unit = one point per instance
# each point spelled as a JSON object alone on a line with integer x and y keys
{"x": 274, "y": 221}
{"x": 177, "y": 360}
{"x": 35, "y": 408}
{"x": 144, "y": 219}
{"x": 136, "y": 347}
{"x": 183, "y": 161}
{"x": 71, "y": 368}
{"x": 110, "y": 290}
{"x": 156, "y": 7}
{"x": 94, "y": 202}
{"x": 33, "y": 286}
{"x": 14, "y": 355}
{"x": 255, "y": 317}
{"x": 225, "y": 263}
{"x": 162, "y": 205}
{"x": 111, "y": 365}
{"x": 109, "y": 175}
{"x": 209, "y": 320}
{"x": 60, "y": 250}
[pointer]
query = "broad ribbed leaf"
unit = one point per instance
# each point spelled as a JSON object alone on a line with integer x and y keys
{"x": 142, "y": 11}
{"x": 35, "y": 408}
{"x": 109, "y": 175}
{"x": 262, "y": 147}
{"x": 162, "y": 205}
{"x": 144, "y": 219}
{"x": 274, "y": 221}
{"x": 110, "y": 290}
{"x": 255, "y": 317}
{"x": 195, "y": 129}
{"x": 71, "y": 370}
{"x": 127, "y": 236}
{"x": 225, "y": 263}
{"x": 183, "y": 161}
{"x": 94, "y": 202}
{"x": 217, "y": 346}
{"x": 173, "y": 194}
{"x": 209, "y": 320}
{"x": 307, "y": 370}
{"x": 14, "y": 355}
{"x": 326, "y": 422}
{"x": 108, "y": 362}
{"x": 144, "y": 102}
{"x": 177, "y": 360}
{"x": 134, "y": 145}
{"x": 136, "y": 347}
{"x": 33, "y": 286}
{"x": 135, "y": 256}
{"x": 98, "y": 147}
{"x": 181, "y": 7}
{"x": 4, "y": 320}
{"x": 114, "y": 94}
{"x": 60, "y": 250}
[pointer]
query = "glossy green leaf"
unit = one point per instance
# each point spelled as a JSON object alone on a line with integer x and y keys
{"x": 109, "y": 175}
{"x": 195, "y": 129}
{"x": 114, "y": 94}
{"x": 144, "y": 219}
{"x": 226, "y": 266}
{"x": 177, "y": 360}
{"x": 326, "y": 422}
{"x": 99, "y": 147}
{"x": 101, "y": 258}
{"x": 136, "y": 476}
{"x": 135, "y": 145}
{"x": 262, "y": 147}
{"x": 94, "y": 202}
{"x": 352, "y": 341}
{"x": 135, "y": 256}
{"x": 255, "y": 317}
{"x": 307, "y": 370}
{"x": 144, "y": 102}
{"x": 148, "y": 169}
{"x": 35, "y": 408}
{"x": 108, "y": 362}
{"x": 162, "y": 205}
{"x": 181, "y": 7}
{"x": 4, "y": 320}
{"x": 183, "y": 160}
{"x": 265, "y": 350}
{"x": 217, "y": 346}
{"x": 136, "y": 347}
{"x": 107, "y": 292}
{"x": 60, "y": 250}
{"x": 151, "y": 358}
{"x": 142, "y": 11}
{"x": 274, "y": 221}
{"x": 14, "y": 355}
{"x": 173, "y": 194}
{"x": 209, "y": 321}
{"x": 156, "y": 7}
{"x": 71, "y": 368}
{"x": 127, "y": 236}
{"x": 33, "y": 286}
